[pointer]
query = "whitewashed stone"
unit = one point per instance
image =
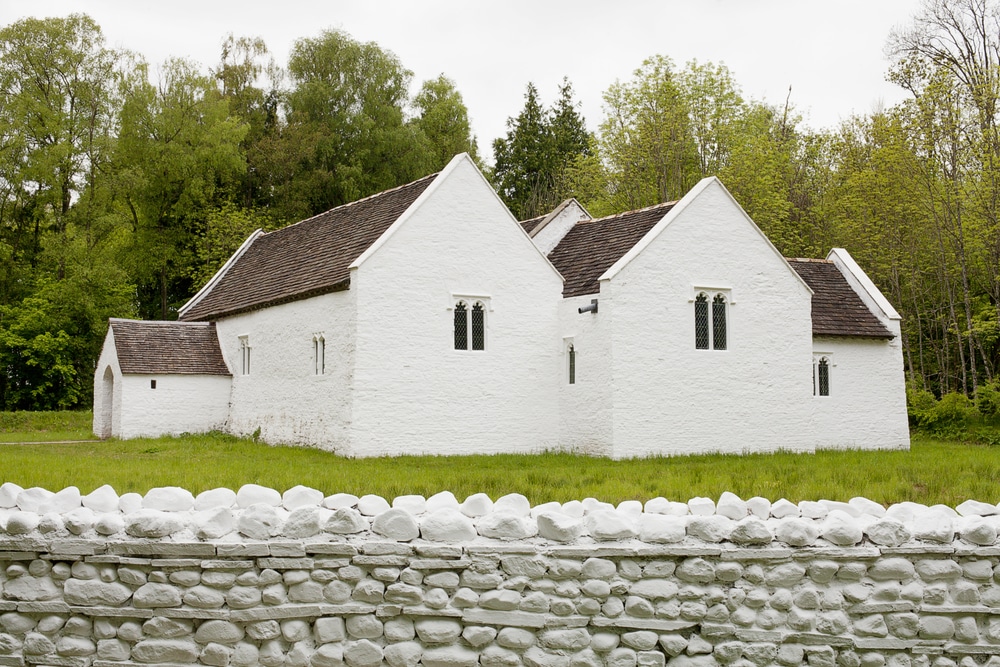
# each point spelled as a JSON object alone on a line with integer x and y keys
{"x": 50, "y": 523}
{"x": 328, "y": 655}
{"x": 160, "y": 651}
{"x": 260, "y": 521}
{"x": 152, "y": 523}
{"x": 346, "y": 521}
{"x": 888, "y": 532}
{"x": 630, "y": 507}
{"x": 701, "y": 506}
{"x": 329, "y": 629}
{"x": 339, "y": 500}
{"x": 372, "y": 505}
{"x": 594, "y": 505}
{"x": 978, "y": 530}
{"x": 846, "y": 508}
{"x": 477, "y": 505}
{"x": 303, "y": 522}
{"x": 79, "y": 521}
{"x": 559, "y": 527}
{"x": 8, "y": 495}
{"x": 866, "y": 506}
{"x": 935, "y": 527}
{"x": 214, "y": 499}
{"x": 573, "y": 509}
{"x": 602, "y": 642}
{"x": 478, "y": 635}
{"x": 732, "y": 506}
{"x": 441, "y": 501}
{"x": 447, "y": 525}
{"x": 363, "y": 653}
{"x": 301, "y": 496}
{"x": 811, "y": 509}
{"x": 710, "y": 528}
{"x": 654, "y": 589}
{"x": 22, "y": 523}
{"x": 75, "y": 646}
{"x": 255, "y": 494}
{"x": 211, "y": 524}
{"x": 841, "y": 529}
{"x": 506, "y": 526}
{"x": 35, "y": 499}
{"x": 437, "y": 631}
{"x": 30, "y": 589}
{"x": 395, "y": 524}
{"x": 797, "y": 532}
{"x": 102, "y": 500}
{"x": 129, "y": 503}
{"x": 245, "y": 655}
{"x": 751, "y": 530}
{"x": 759, "y": 507}
{"x": 218, "y": 631}
{"x": 109, "y": 524}
{"x": 607, "y": 525}
{"x": 976, "y": 508}
{"x": 153, "y": 596}
{"x": 414, "y": 504}
{"x": 662, "y": 528}
{"x": 168, "y": 499}
{"x": 449, "y": 656}
{"x": 545, "y": 508}
{"x": 403, "y": 654}
{"x": 656, "y": 505}
{"x": 782, "y": 509}
{"x": 515, "y": 638}
{"x": 63, "y": 501}
{"x": 513, "y": 503}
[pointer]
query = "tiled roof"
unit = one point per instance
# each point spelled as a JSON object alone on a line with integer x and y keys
{"x": 529, "y": 225}
{"x": 305, "y": 259}
{"x": 168, "y": 348}
{"x": 837, "y": 310}
{"x": 591, "y": 247}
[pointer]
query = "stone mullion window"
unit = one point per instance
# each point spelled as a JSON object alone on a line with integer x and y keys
{"x": 470, "y": 325}
{"x": 719, "y": 322}
{"x": 823, "y": 376}
{"x": 701, "y": 322}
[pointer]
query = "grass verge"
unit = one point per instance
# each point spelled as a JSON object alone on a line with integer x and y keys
{"x": 933, "y": 471}
{"x": 45, "y": 426}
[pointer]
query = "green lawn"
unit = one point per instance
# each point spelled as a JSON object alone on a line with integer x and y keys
{"x": 933, "y": 471}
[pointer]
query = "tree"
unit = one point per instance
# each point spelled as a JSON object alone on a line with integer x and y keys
{"x": 532, "y": 162}
{"x": 444, "y": 121}
{"x": 178, "y": 145}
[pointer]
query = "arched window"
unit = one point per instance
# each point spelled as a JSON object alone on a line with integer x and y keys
{"x": 572, "y": 364}
{"x": 470, "y": 326}
{"x": 710, "y": 332}
{"x": 319, "y": 354}
{"x": 245, "y": 355}
{"x": 823, "y": 377}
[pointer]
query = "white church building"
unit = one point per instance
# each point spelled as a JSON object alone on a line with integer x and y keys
{"x": 426, "y": 319}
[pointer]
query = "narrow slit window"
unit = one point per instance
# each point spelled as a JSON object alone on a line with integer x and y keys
{"x": 572, "y": 364}
{"x": 478, "y": 327}
{"x": 152, "y": 384}
{"x": 823, "y": 377}
{"x": 461, "y": 327}
{"x": 319, "y": 354}
{"x": 701, "y": 322}
{"x": 245, "y": 355}
{"x": 719, "y": 322}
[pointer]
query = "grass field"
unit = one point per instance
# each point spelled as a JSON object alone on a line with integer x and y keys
{"x": 933, "y": 471}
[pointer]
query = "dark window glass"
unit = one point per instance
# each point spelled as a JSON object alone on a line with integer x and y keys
{"x": 701, "y": 322}
{"x": 461, "y": 327}
{"x": 719, "y": 322}
{"x": 572, "y": 365}
{"x": 824, "y": 377}
{"x": 478, "y": 327}
{"x": 152, "y": 384}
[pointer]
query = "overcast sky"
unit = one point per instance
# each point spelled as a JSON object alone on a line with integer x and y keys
{"x": 832, "y": 54}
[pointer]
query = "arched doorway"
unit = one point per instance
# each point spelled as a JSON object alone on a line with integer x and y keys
{"x": 104, "y": 429}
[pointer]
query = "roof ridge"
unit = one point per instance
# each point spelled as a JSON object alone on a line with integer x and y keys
{"x": 624, "y": 213}
{"x": 162, "y": 322}
{"x": 357, "y": 201}
{"x": 808, "y": 259}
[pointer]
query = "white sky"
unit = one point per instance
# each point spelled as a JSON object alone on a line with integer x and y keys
{"x": 832, "y": 54}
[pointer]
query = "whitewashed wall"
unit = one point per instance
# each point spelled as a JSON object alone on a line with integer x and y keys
{"x": 108, "y": 414}
{"x": 670, "y": 398}
{"x": 549, "y": 236}
{"x": 586, "y": 416}
{"x": 283, "y": 396}
{"x": 179, "y": 404}
{"x": 413, "y": 392}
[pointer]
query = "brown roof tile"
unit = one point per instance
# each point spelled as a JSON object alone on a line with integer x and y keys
{"x": 591, "y": 247}
{"x": 305, "y": 259}
{"x": 530, "y": 224}
{"x": 168, "y": 348}
{"x": 837, "y": 310}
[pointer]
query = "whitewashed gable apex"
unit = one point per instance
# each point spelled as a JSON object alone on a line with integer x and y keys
{"x": 862, "y": 284}
{"x": 676, "y": 211}
{"x": 550, "y": 231}
{"x": 460, "y": 161}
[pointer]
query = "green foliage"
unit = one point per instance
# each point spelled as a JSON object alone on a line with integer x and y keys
{"x": 532, "y": 163}
{"x": 949, "y": 416}
{"x": 444, "y": 121}
{"x": 225, "y": 230}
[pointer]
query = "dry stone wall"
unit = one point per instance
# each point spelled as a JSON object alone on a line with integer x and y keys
{"x": 258, "y": 577}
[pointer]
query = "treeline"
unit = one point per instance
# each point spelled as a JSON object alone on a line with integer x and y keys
{"x": 119, "y": 196}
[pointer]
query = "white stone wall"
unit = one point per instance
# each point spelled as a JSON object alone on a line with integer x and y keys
{"x": 549, "y": 236}
{"x": 866, "y": 408}
{"x": 586, "y": 416}
{"x": 178, "y": 404}
{"x": 754, "y": 396}
{"x": 413, "y": 392}
{"x": 108, "y": 414}
{"x": 298, "y": 578}
{"x": 283, "y": 396}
